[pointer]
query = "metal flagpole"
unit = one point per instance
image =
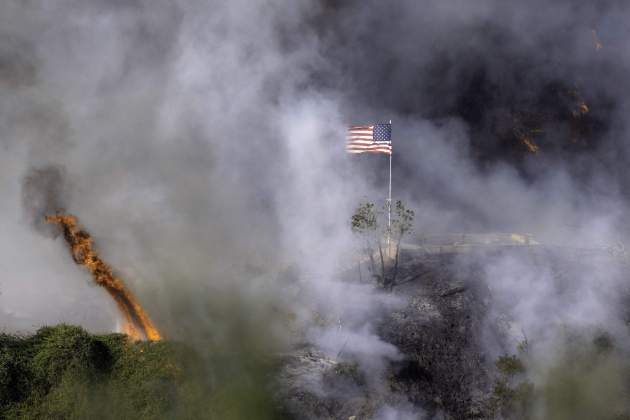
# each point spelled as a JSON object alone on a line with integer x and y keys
{"x": 389, "y": 197}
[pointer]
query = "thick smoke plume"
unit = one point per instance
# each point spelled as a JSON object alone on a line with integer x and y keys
{"x": 204, "y": 145}
{"x": 43, "y": 194}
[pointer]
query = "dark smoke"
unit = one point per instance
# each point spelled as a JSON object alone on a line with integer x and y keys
{"x": 502, "y": 69}
{"x": 44, "y": 190}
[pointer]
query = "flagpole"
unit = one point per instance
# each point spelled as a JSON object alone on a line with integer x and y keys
{"x": 389, "y": 198}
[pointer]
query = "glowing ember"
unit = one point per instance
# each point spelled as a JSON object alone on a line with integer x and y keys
{"x": 531, "y": 146}
{"x": 596, "y": 41}
{"x": 136, "y": 322}
{"x": 584, "y": 108}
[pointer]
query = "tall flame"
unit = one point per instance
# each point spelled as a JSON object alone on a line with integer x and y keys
{"x": 136, "y": 321}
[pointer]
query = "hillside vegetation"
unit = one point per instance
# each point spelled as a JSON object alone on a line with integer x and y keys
{"x": 63, "y": 372}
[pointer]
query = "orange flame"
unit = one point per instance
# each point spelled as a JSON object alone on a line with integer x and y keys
{"x": 596, "y": 41}
{"x": 531, "y": 146}
{"x": 583, "y": 108}
{"x": 136, "y": 321}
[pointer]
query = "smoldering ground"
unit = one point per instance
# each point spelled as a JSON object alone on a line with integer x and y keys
{"x": 202, "y": 142}
{"x": 471, "y": 71}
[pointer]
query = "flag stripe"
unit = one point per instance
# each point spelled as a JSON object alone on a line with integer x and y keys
{"x": 368, "y": 148}
{"x": 361, "y": 142}
{"x": 369, "y": 139}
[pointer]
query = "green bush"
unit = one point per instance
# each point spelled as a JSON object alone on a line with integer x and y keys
{"x": 510, "y": 365}
{"x": 588, "y": 379}
{"x": 63, "y": 372}
{"x": 68, "y": 350}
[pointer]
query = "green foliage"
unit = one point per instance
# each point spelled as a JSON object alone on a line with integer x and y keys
{"x": 63, "y": 372}
{"x": 512, "y": 397}
{"x": 365, "y": 218}
{"x": 402, "y": 219}
{"x": 13, "y": 380}
{"x": 67, "y": 350}
{"x": 587, "y": 383}
{"x": 588, "y": 380}
{"x": 372, "y": 226}
{"x": 510, "y": 365}
{"x": 513, "y": 401}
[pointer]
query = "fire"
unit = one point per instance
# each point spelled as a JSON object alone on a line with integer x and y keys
{"x": 583, "y": 107}
{"x": 531, "y": 146}
{"x": 596, "y": 41}
{"x": 136, "y": 321}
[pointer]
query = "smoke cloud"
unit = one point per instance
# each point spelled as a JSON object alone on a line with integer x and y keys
{"x": 43, "y": 193}
{"x": 201, "y": 143}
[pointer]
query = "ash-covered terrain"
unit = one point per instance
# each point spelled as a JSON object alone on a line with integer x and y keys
{"x": 444, "y": 367}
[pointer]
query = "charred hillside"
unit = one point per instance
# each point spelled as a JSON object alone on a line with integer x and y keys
{"x": 462, "y": 355}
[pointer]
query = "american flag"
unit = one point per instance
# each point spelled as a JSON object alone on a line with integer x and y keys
{"x": 375, "y": 138}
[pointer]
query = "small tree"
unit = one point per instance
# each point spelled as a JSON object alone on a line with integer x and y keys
{"x": 402, "y": 224}
{"x": 370, "y": 224}
{"x": 365, "y": 224}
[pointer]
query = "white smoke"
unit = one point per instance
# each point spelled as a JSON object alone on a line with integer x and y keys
{"x": 203, "y": 147}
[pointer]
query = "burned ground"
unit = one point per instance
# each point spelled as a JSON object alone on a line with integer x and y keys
{"x": 442, "y": 332}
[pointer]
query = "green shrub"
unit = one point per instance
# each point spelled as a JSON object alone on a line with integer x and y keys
{"x": 63, "y": 372}
{"x": 510, "y": 365}
{"x": 68, "y": 350}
